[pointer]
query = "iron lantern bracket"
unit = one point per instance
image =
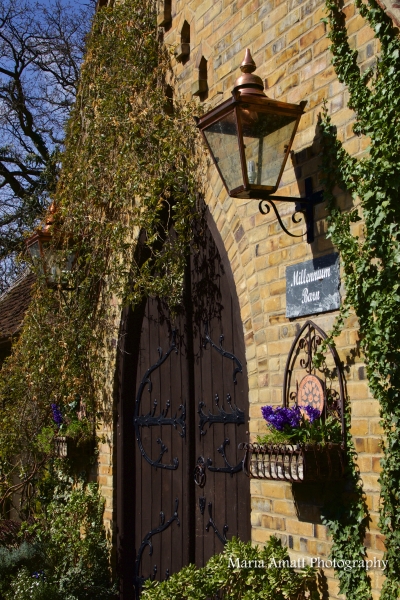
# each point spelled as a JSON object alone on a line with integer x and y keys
{"x": 305, "y": 206}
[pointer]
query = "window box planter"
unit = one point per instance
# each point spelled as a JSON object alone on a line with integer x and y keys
{"x": 297, "y": 463}
{"x": 68, "y": 447}
{"x": 304, "y": 442}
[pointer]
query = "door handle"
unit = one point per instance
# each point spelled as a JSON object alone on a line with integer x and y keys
{"x": 200, "y": 472}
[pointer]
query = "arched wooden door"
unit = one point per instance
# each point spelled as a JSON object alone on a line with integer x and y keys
{"x": 183, "y": 411}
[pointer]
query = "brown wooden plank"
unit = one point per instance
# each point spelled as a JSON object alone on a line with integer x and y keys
{"x": 193, "y": 375}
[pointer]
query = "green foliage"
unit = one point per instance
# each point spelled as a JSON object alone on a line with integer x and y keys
{"x": 319, "y": 432}
{"x": 131, "y": 167}
{"x": 346, "y": 516}
{"x": 241, "y": 572}
{"x": 69, "y": 559}
{"x": 28, "y": 587}
{"x": 371, "y": 256}
{"x": 14, "y": 560}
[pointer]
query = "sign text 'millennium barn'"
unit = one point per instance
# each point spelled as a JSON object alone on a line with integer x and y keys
{"x": 313, "y": 286}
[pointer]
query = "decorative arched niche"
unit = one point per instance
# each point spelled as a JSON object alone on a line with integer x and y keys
{"x": 200, "y": 83}
{"x": 306, "y": 385}
{"x": 164, "y": 13}
{"x": 183, "y": 50}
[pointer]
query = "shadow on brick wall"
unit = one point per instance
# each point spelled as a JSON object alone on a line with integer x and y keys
{"x": 307, "y": 163}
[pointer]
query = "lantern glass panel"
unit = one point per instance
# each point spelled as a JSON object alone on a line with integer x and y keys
{"x": 34, "y": 251}
{"x": 50, "y": 259}
{"x": 266, "y": 137}
{"x": 223, "y": 141}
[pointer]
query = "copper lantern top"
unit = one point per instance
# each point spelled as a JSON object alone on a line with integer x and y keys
{"x": 249, "y": 136}
{"x": 248, "y": 83}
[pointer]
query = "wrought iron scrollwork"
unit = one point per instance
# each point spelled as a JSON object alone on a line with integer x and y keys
{"x": 265, "y": 208}
{"x": 236, "y": 415}
{"x": 309, "y": 343}
{"x": 308, "y": 340}
{"x": 304, "y": 206}
{"x": 297, "y": 463}
{"x": 202, "y": 504}
{"x": 229, "y": 468}
{"x": 207, "y": 340}
{"x": 211, "y": 523}
{"x": 147, "y": 541}
{"x": 152, "y": 420}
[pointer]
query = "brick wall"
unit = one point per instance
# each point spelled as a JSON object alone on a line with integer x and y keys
{"x": 289, "y": 44}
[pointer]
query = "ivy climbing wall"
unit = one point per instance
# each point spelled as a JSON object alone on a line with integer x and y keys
{"x": 290, "y": 46}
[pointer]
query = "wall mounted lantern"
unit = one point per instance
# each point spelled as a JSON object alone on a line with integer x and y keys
{"x": 44, "y": 255}
{"x": 38, "y": 246}
{"x": 250, "y": 137}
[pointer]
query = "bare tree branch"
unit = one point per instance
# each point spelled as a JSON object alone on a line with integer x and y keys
{"x": 41, "y": 49}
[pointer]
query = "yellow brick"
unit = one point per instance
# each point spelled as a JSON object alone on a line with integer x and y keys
{"x": 277, "y": 257}
{"x": 272, "y": 489}
{"x": 366, "y": 408}
{"x": 281, "y": 347}
{"x": 287, "y": 83}
{"x": 317, "y": 548}
{"x": 305, "y": 122}
{"x": 299, "y": 527}
{"x": 319, "y": 14}
{"x": 260, "y": 536}
{"x": 325, "y": 77}
{"x": 374, "y": 445}
{"x": 271, "y": 522}
{"x": 355, "y": 24}
{"x": 272, "y": 304}
{"x": 380, "y": 542}
{"x": 274, "y": 364}
{"x": 203, "y": 8}
{"x": 285, "y": 56}
{"x": 365, "y": 143}
{"x": 298, "y": 30}
{"x": 352, "y": 146}
{"x": 321, "y": 532}
{"x": 278, "y": 287}
{"x": 284, "y": 507}
{"x": 312, "y": 36}
{"x": 317, "y": 98}
{"x": 364, "y": 463}
{"x": 349, "y": 10}
{"x": 321, "y": 46}
{"x": 370, "y": 482}
{"x": 375, "y": 427}
{"x": 359, "y": 427}
{"x": 315, "y": 67}
{"x": 105, "y": 469}
{"x": 364, "y": 35}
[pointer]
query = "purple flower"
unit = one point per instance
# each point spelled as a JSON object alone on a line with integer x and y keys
{"x": 39, "y": 575}
{"x": 57, "y": 416}
{"x": 282, "y": 417}
{"x": 312, "y": 413}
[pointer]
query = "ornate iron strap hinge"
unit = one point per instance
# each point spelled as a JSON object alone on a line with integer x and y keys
{"x": 207, "y": 340}
{"x": 235, "y": 416}
{"x": 211, "y": 523}
{"x": 229, "y": 468}
{"x": 151, "y": 420}
{"x": 138, "y": 580}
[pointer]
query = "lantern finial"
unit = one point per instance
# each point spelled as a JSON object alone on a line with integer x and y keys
{"x": 248, "y": 65}
{"x": 50, "y": 216}
{"x": 247, "y": 82}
